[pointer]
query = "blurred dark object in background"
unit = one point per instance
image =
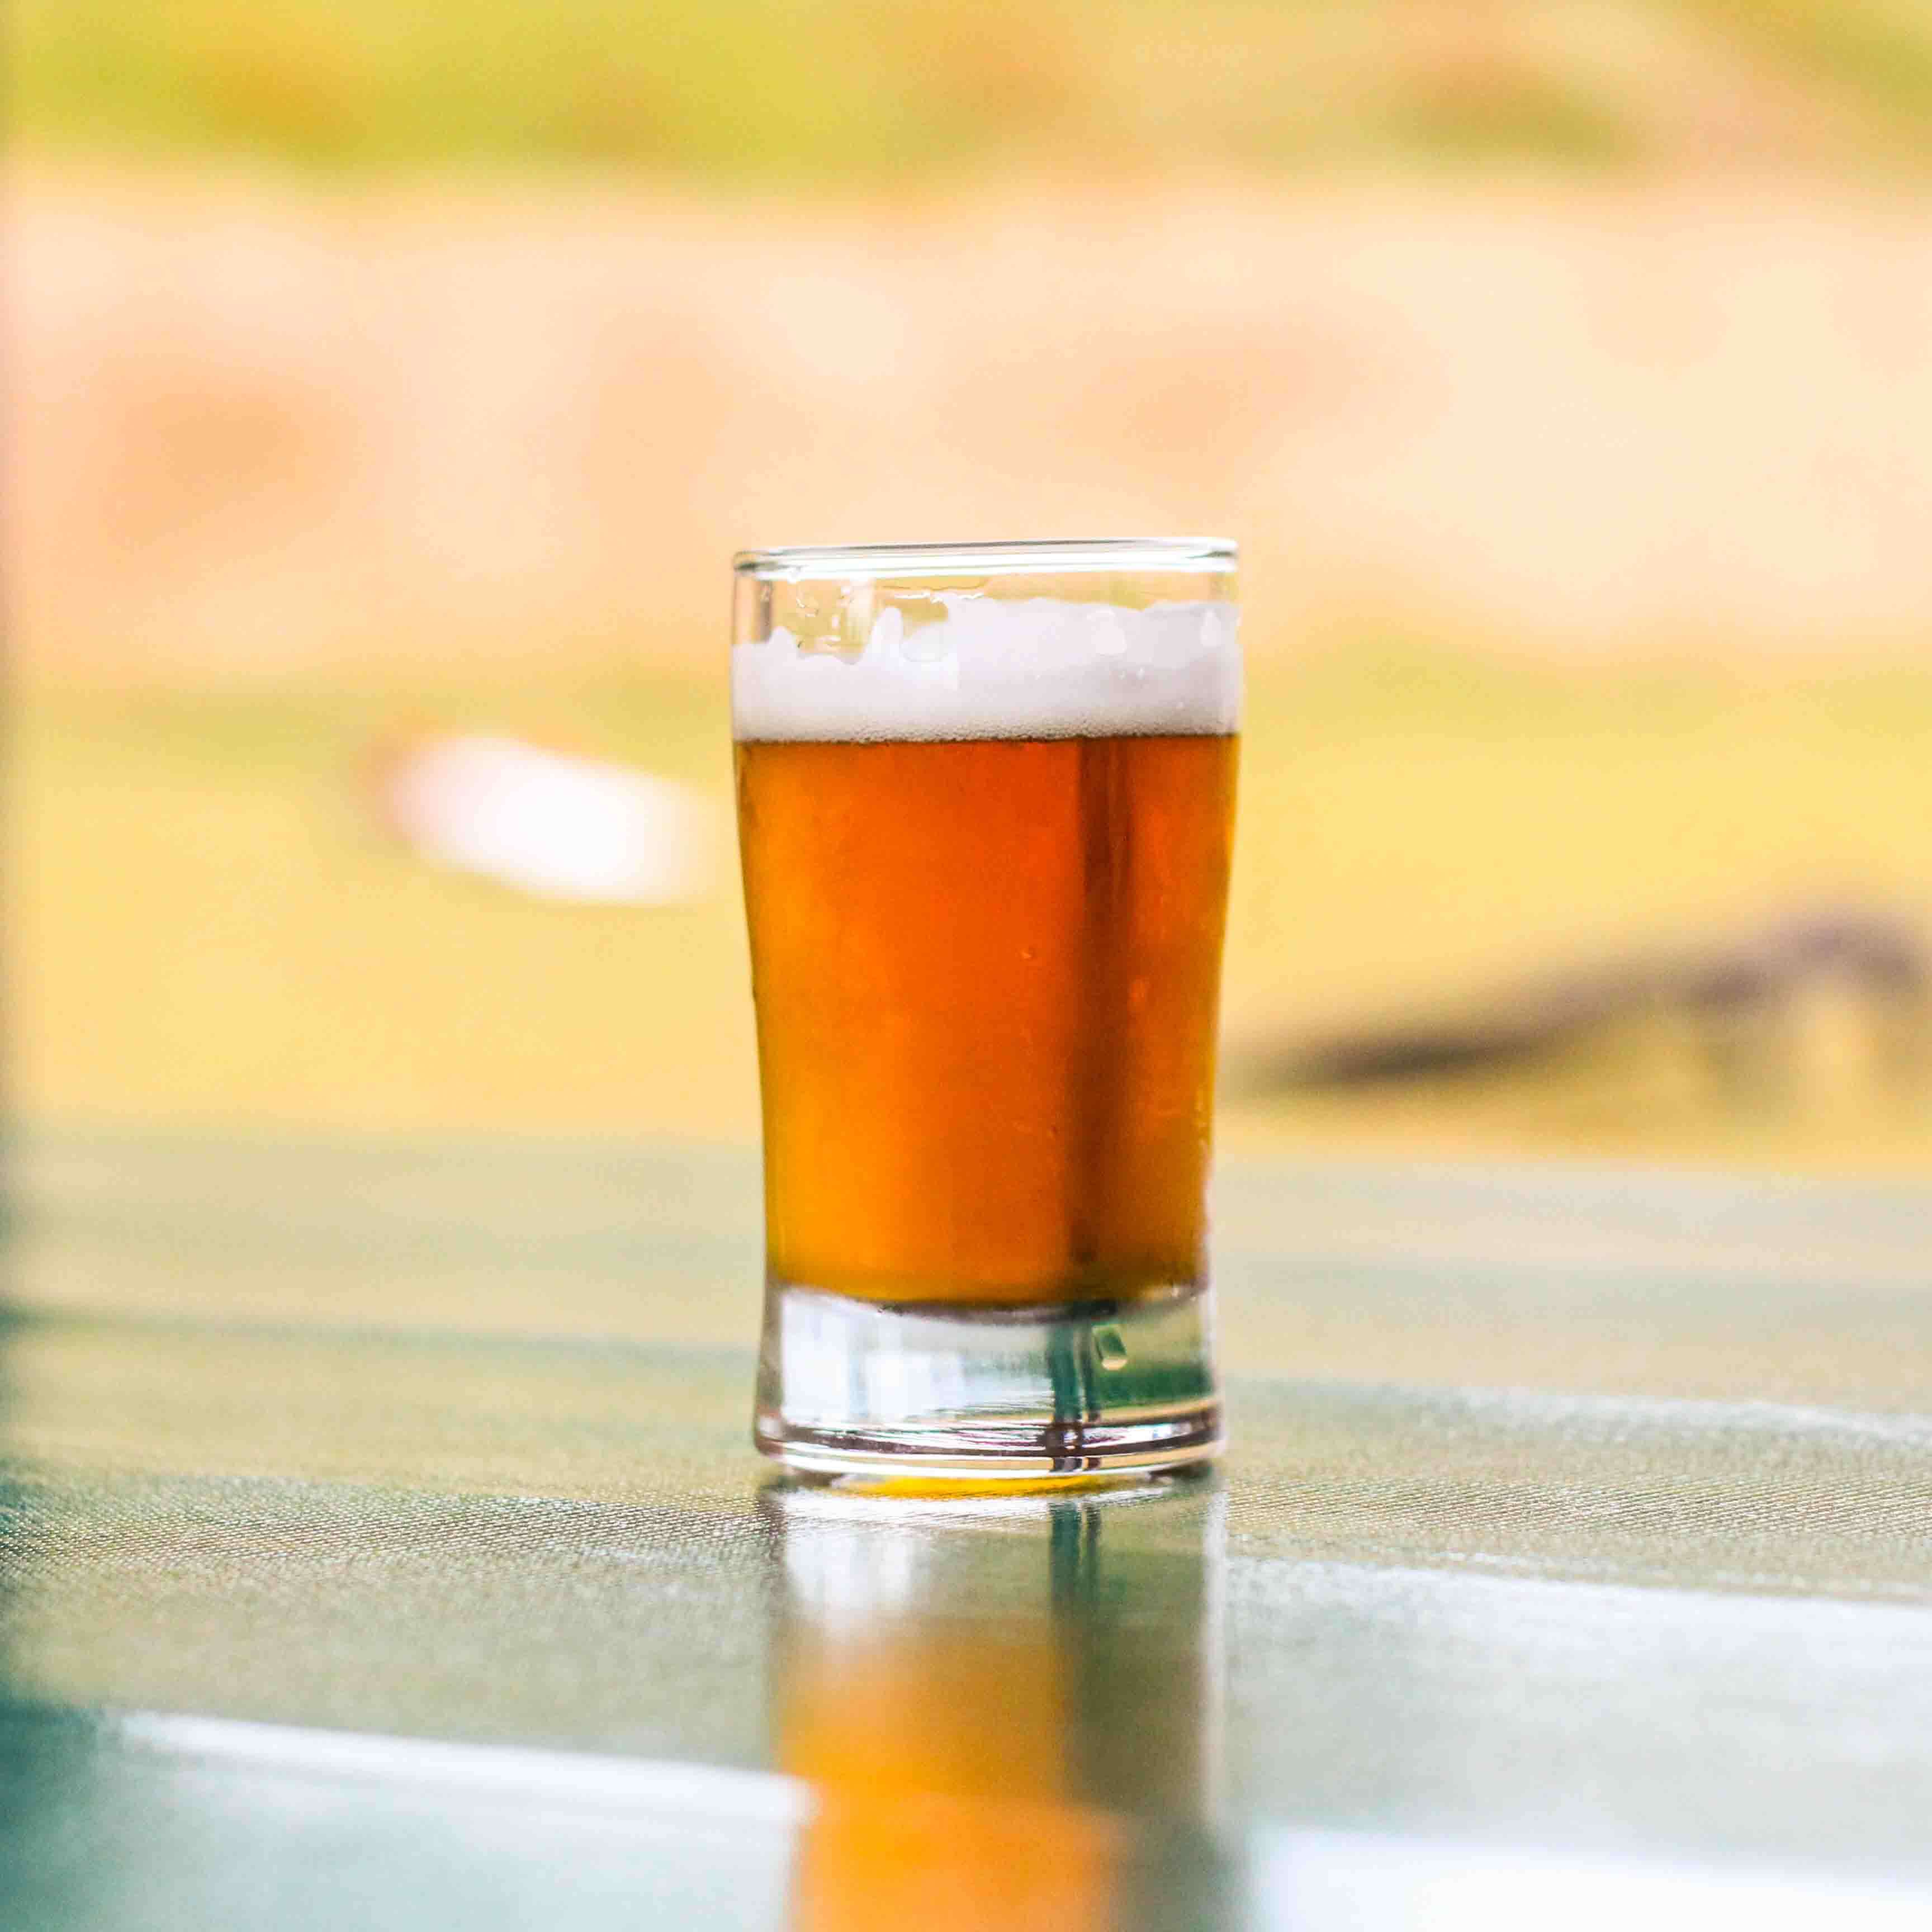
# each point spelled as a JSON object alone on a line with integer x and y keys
{"x": 1747, "y": 1004}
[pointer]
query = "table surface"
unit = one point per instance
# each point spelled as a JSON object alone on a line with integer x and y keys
{"x": 382, "y": 1547}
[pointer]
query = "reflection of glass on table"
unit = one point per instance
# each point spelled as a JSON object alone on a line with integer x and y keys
{"x": 985, "y": 801}
{"x": 1008, "y": 1712}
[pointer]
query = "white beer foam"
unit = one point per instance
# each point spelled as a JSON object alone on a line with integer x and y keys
{"x": 1032, "y": 668}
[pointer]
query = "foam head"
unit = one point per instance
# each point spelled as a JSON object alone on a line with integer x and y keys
{"x": 967, "y": 665}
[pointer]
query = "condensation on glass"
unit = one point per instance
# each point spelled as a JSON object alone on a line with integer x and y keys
{"x": 986, "y": 800}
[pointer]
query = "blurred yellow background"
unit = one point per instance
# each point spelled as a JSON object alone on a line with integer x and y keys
{"x": 1565, "y": 370}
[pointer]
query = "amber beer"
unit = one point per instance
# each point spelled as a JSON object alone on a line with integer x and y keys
{"x": 986, "y": 975}
{"x": 985, "y": 797}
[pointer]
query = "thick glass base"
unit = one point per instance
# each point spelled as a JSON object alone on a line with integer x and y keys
{"x": 953, "y": 1392}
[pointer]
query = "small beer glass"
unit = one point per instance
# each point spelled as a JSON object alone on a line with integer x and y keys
{"x": 986, "y": 804}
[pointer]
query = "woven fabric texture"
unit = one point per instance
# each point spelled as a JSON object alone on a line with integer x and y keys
{"x": 1581, "y": 1511}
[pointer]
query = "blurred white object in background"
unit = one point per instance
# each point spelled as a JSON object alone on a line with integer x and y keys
{"x": 546, "y": 823}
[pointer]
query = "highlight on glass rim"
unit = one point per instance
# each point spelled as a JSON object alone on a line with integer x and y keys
{"x": 766, "y": 1169}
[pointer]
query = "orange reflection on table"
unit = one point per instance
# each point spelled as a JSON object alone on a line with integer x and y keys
{"x": 976, "y": 1725}
{"x": 943, "y": 1799}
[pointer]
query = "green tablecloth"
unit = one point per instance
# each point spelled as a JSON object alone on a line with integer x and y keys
{"x": 382, "y": 1547}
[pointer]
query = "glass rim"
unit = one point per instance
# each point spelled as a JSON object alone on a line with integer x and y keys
{"x": 1024, "y": 557}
